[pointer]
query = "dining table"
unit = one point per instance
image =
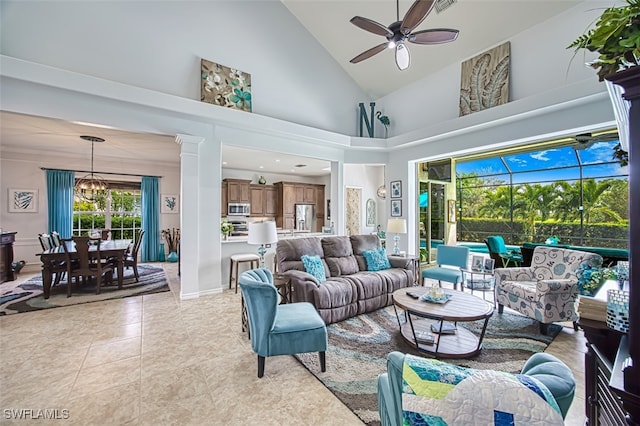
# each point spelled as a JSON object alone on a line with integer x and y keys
{"x": 114, "y": 249}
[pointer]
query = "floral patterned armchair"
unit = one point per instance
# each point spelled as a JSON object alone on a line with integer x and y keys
{"x": 547, "y": 290}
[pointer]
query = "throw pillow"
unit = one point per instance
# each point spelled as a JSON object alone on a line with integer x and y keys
{"x": 313, "y": 265}
{"x": 376, "y": 259}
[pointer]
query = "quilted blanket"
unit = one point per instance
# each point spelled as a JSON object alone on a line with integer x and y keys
{"x": 436, "y": 393}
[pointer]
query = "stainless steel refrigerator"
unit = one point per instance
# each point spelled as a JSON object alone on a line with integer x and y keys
{"x": 305, "y": 217}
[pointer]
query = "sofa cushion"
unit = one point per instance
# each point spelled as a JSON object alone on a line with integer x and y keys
{"x": 376, "y": 259}
{"x": 290, "y": 251}
{"x": 361, "y": 243}
{"x": 314, "y": 266}
{"x": 339, "y": 256}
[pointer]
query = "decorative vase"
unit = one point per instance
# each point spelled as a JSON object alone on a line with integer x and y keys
{"x": 225, "y": 236}
{"x": 173, "y": 257}
{"x": 262, "y": 180}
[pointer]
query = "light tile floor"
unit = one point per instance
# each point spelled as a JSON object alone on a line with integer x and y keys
{"x": 157, "y": 360}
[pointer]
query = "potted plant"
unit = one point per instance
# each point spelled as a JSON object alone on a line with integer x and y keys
{"x": 225, "y": 229}
{"x": 616, "y": 37}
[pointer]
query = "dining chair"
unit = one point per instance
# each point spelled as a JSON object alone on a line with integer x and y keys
{"x": 86, "y": 264}
{"x": 56, "y": 241}
{"x": 58, "y": 268}
{"x": 45, "y": 241}
{"x": 131, "y": 257}
{"x": 451, "y": 260}
{"x": 285, "y": 329}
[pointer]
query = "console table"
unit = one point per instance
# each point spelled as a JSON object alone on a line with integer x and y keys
{"x": 6, "y": 256}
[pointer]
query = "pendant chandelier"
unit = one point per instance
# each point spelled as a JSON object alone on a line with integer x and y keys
{"x": 91, "y": 186}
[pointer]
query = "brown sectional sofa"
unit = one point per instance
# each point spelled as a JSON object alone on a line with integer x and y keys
{"x": 350, "y": 289}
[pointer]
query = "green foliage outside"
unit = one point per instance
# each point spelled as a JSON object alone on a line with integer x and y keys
{"x": 533, "y": 212}
{"x": 125, "y": 214}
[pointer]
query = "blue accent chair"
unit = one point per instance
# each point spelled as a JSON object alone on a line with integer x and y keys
{"x": 545, "y": 370}
{"x": 280, "y": 329}
{"x": 498, "y": 251}
{"x": 450, "y": 260}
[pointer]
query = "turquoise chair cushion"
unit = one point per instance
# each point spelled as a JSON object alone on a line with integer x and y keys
{"x": 376, "y": 259}
{"x": 443, "y": 274}
{"x": 313, "y": 265}
{"x": 555, "y": 375}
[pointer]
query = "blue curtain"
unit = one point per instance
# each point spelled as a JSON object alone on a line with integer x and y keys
{"x": 60, "y": 201}
{"x": 150, "y": 248}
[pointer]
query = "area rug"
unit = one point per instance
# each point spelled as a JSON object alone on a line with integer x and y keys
{"x": 358, "y": 349}
{"x": 27, "y": 297}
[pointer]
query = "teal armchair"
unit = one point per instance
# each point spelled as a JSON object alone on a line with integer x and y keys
{"x": 280, "y": 329}
{"x": 450, "y": 260}
{"x": 500, "y": 254}
{"x": 416, "y": 391}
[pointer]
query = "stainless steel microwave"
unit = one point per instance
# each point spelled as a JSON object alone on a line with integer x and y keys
{"x": 239, "y": 209}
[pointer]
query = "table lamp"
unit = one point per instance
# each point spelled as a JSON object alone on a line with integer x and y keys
{"x": 262, "y": 233}
{"x": 396, "y": 226}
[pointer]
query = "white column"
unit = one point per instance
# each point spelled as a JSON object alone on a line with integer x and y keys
{"x": 337, "y": 197}
{"x": 189, "y": 202}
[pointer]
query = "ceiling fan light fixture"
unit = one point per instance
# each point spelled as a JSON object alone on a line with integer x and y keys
{"x": 403, "y": 59}
{"x": 391, "y": 44}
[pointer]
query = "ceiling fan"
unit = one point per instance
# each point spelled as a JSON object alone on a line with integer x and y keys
{"x": 585, "y": 140}
{"x": 400, "y": 32}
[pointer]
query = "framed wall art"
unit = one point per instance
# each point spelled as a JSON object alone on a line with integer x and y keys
{"x": 396, "y": 189}
{"x": 225, "y": 86}
{"x": 23, "y": 201}
{"x": 396, "y": 208}
{"x": 371, "y": 212}
{"x": 169, "y": 203}
{"x": 451, "y": 211}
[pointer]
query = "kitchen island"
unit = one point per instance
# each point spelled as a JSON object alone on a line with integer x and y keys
{"x": 238, "y": 244}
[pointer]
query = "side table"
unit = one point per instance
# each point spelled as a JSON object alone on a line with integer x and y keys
{"x": 282, "y": 283}
{"x": 484, "y": 284}
{"x": 415, "y": 266}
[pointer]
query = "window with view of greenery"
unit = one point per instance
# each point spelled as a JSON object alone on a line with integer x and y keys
{"x": 117, "y": 209}
{"x": 579, "y": 195}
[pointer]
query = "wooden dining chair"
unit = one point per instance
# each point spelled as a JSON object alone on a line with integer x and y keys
{"x": 58, "y": 268}
{"x": 87, "y": 264}
{"x": 131, "y": 258}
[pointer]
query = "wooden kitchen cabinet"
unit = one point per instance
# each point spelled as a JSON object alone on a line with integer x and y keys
{"x": 291, "y": 193}
{"x": 310, "y": 194}
{"x": 238, "y": 190}
{"x": 270, "y": 201}
{"x": 257, "y": 199}
{"x": 224, "y": 204}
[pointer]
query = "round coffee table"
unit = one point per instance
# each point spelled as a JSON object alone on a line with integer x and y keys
{"x": 461, "y": 307}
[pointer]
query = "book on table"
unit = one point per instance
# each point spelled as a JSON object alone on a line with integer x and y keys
{"x": 426, "y": 338}
{"x": 447, "y": 328}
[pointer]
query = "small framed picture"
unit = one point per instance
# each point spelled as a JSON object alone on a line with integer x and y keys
{"x": 488, "y": 264}
{"x": 396, "y": 189}
{"x": 169, "y": 203}
{"x": 477, "y": 263}
{"x": 396, "y": 208}
{"x": 451, "y": 211}
{"x": 23, "y": 201}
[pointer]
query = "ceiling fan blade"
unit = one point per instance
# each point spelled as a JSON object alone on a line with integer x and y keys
{"x": 369, "y": 53}
{"x": 415, "y": 15}
{"x": 434, "y": 36}
{"x": 371, "y": 26}
{"x": 403, "y": 59}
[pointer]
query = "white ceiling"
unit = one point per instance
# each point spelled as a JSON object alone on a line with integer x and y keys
{"x": 483, "y": 24}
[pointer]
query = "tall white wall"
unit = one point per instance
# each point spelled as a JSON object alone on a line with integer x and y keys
{"x": 158, "y": 45}
{"x": 540, "y": 64}
{"x": 368, "y": 178}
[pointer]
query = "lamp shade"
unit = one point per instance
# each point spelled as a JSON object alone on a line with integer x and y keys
{"x": 262, "y": 233}
{"x": 396, "y": 226}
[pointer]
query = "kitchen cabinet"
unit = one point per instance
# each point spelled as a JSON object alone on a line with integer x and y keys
{"x": 310, "y": 194}
{"x": 264, "y": 200}
{"x": 224, "y": 204}
{"x": 238, "y": 190}
{"x": 6, "y": 256}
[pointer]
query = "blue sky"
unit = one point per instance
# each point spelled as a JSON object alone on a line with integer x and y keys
{"x": 550, "y": 164}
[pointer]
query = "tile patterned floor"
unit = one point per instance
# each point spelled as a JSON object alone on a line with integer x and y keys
{"x": 157, "y": 360}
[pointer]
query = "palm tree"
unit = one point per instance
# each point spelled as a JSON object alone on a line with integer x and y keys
{"x": 594, "y": 207}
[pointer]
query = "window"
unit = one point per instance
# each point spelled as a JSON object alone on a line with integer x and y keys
{"x": 118, "y": 209}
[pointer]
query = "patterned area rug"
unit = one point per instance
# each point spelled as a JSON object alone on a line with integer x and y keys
{"x": 358, "y": 348}
{"x": 26, "y": 297}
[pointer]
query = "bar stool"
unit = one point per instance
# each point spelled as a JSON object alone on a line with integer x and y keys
{"x": 237, "y": 259}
